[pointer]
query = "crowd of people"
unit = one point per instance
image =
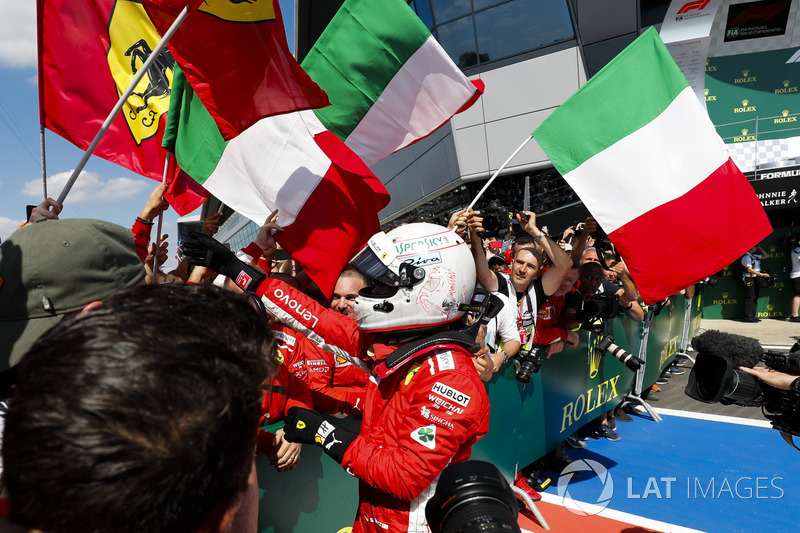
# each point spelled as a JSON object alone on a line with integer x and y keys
{"x": 151, "y": 393}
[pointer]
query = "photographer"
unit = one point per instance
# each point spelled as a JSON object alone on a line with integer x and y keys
{"x": 794, "y": 275}
{"x": 751, "y": 261}
{"x": 575, "y": 315}
{"x": 585, "y": 240}
{"x": 523, "y": 286}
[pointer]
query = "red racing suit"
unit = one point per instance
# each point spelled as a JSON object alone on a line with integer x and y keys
{"x": 419, "y": 416}
{"x": 278, "y": 395}
{"x": 548, "y": 326}
{"x": 336, "y": 385}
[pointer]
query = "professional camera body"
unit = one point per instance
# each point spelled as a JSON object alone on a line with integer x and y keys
{"x": 716, "y": 378}
{"x": 790, "y": 240}
{"x": 604, "y": 305}
{"x": 763, "y": 282}
{"x": 495, "y": 220}
{"x": 530, "y": 362}
{"x": 708, "y": 282}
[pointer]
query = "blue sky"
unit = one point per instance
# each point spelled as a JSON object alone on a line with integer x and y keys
{"x": 104, "y": 190}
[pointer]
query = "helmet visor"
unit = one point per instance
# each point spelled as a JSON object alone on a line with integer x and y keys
{"x": 373, "y": 269}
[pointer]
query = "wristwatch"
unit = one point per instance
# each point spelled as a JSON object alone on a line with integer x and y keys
{"x": 539, "y": 237}
{"x": 505, "y": 357}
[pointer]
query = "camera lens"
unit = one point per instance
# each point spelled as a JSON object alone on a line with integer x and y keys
{"x": 472, "y": 496}
{"x": 525, "y": 372}
{"x": 491, "y": 224}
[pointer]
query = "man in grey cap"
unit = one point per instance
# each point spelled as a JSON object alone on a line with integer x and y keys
{"x": 52, "y": 268}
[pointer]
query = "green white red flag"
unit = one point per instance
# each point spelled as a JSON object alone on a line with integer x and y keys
{"x": 641, "y": 153}
{"x": 389, "y": 81}
{"x": 236, "y": 58}
{"x": 327, "y": 198}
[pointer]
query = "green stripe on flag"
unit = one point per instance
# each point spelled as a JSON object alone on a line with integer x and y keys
{"x": 628, "y": 93}
{"x": 191, "y": 133}
{"x": 358, "y": 54}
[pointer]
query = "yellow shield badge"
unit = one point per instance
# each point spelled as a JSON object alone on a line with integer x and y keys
{"x": 133, "y": 38}
{"x": 239, "y": 10}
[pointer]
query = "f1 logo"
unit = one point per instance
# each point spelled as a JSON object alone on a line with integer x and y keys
{"x": 243, "y": 280}
{"x": 697, "y": 4}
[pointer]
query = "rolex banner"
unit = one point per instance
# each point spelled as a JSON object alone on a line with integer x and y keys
{"x": 89, "y": 53}
{"x": 235, "y": 56}
{"x": 640, "y": 151}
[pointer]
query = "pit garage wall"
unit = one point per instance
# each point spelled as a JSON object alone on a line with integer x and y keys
{"x": 476, "y": 142}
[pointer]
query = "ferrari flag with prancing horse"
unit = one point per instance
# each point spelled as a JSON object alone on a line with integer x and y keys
{"x": 89, "y": 53}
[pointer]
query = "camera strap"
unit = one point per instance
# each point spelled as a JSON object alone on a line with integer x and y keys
{"x": 525, "y": 326}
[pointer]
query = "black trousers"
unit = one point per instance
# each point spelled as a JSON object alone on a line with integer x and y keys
{"x": 750, "y": 298}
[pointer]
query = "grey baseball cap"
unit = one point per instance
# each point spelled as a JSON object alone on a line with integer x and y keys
{"x": 54, "y": 267}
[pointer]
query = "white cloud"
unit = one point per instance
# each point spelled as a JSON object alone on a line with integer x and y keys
{"x": 89, "y": 187}
{"x": 8, "y": 226}
{"x": 18, "y": 34}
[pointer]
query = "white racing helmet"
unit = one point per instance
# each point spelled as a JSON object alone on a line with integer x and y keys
{"x": 418, "y": 274}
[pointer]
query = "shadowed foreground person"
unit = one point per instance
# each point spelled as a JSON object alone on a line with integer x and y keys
{"x": 141, "y": 415}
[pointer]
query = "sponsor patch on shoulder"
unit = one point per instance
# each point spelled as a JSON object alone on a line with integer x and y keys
{"x": 445, "y": 360}
{"x": 426, "y": 436}
{"x": 451, "y": 394}
{"x": 283, "y": 337}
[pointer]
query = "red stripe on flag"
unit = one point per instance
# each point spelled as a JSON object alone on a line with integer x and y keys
{"x": 338, "y": 218}
{"x": 183, "y": 193}
{"x": 692, "y": 237}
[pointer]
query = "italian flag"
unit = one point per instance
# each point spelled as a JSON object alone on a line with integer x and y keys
{"x": 389, "y": 82}
{"x": 640, "y": 151}
{"x": 327, "y": 198}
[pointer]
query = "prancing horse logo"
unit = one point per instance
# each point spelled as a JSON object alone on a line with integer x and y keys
{"x": 133, "y": 38}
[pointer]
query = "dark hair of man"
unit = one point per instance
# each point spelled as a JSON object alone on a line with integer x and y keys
{"x": 140, "y": 415}
{"x": 524, "y": 241}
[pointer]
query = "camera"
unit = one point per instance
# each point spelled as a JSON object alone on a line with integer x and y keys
{"x": 495, "y": 220}
{"x": 472, "y": 496}
{"x": 708, "y": 282}
{"x": 767, "y": 282}
{"x": 787, "y": 241}
{"x": 624, "y": 357}
{"x": 530, "y": 362}
{"x": 716, "y": 378}
{"x": 603, "y": 305}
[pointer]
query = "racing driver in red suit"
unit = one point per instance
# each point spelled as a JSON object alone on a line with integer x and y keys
{"x": 425, "y": 405}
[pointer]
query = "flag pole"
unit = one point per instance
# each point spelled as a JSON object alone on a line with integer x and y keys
{"x": 40, "y": 88}
{"x": 122, "y": 99}
{"x": 44, "y": 162}
{"x": 158, "y": 227}
{"x": 499, "y": 170}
